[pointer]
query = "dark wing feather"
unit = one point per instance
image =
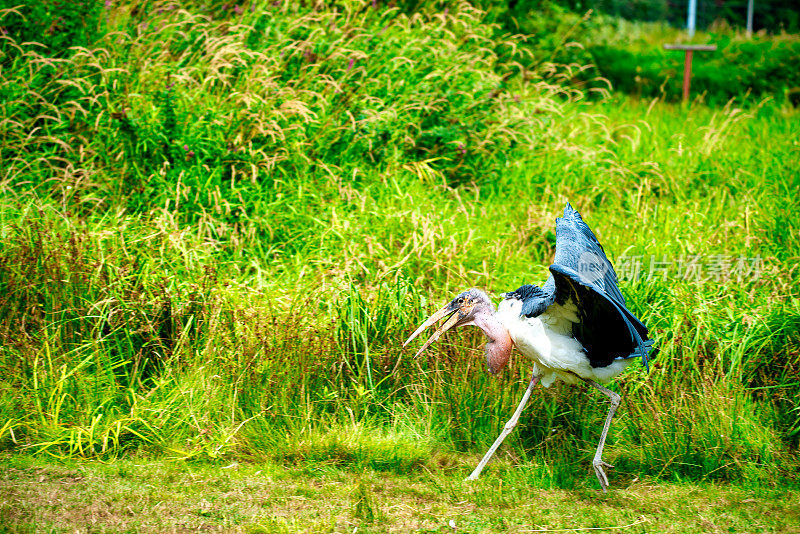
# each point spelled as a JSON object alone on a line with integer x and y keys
{"x": 583, "y": 275}
{"x": 578, "y": 249}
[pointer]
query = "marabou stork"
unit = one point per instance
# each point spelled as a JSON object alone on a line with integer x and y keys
{"x": 575, "y": 327}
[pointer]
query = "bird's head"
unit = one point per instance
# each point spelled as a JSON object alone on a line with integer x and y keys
{"x": 472, "y": 307}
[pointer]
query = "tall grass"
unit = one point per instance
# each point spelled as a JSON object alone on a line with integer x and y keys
{"x": 217, "y": 228}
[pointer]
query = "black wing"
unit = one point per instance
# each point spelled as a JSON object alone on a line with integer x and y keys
{"x": 578, "y": 249}
{"x": 583, "y": 275}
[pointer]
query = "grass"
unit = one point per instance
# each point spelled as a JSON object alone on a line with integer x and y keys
{"x": 142, "y": 495}
{"x": 217, "y": 227}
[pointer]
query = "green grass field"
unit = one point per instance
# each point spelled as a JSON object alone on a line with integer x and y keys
{"x": 146, "y": 495}
{"x": 217, "y": 227}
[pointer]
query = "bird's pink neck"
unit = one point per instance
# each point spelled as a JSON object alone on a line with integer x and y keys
{"x": 498, "y": 348}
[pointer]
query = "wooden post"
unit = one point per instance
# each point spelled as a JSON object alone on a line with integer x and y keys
{"x": 687, "y": 73}
{"x": 687, "y": 62}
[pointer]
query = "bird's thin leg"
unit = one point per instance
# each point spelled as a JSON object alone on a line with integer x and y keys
{"x": 506, "y": 430}
{"x": 598, "y": 462}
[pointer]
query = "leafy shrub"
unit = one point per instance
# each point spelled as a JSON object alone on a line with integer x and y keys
{"x": 630, "y": 55}
{"x": 758, "y": 67}
{"x": 56, "y": 24}
{"x": 229, "y": 108}
{"x": 772, "y": 15}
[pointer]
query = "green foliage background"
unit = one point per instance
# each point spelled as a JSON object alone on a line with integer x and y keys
{"x": 774, "y": 16}
{"x": 219, "y": 224}
{"x": 628, "y": 54}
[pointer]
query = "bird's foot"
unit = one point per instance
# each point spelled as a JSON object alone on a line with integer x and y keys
{"x": 477, "y": 472}
{"x": 599, "y": 464}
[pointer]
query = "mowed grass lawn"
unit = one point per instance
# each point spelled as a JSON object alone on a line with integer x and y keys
{"x": 145, "y": 495}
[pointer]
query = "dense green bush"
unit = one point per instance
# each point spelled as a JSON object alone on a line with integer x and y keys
{"x": 757, "y": 67}
{"x": 334, "y": 86}
{"x": 56, "y": 24}
{"x": 630, "y": 56}
{"x": 774, "y": 16}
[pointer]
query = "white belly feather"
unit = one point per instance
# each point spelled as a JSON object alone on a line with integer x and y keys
{"x": 548, "y": 341}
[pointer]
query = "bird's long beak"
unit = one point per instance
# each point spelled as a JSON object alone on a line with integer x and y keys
{"x": 448, "y": 311}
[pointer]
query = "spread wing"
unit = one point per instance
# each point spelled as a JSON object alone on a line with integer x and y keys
{"x": 583, "y": 275}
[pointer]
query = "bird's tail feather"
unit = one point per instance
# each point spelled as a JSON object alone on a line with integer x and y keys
{"x": 643, "y": 347}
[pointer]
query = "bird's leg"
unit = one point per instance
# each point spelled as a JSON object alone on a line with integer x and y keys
{"x": 598, "y": 462}
{"x": 506, "y": 430}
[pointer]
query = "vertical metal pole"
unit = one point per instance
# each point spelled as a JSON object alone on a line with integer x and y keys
{"x": 692, "y": 16}
{"x": 749, "y": 18}
{"x": 687, "y": 74}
